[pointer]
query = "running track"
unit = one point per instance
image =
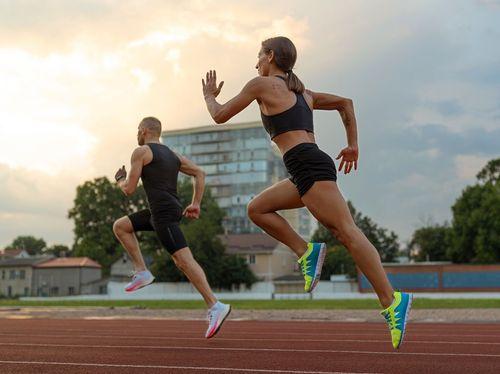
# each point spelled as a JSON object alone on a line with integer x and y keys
{"x": 167, "y": 346}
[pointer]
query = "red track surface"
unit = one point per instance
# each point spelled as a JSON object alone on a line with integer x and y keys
{"x": 162, "y": 346}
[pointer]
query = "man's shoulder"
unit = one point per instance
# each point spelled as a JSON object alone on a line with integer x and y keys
{"x": 141, "y": 151}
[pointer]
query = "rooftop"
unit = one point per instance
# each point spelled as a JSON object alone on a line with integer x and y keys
{"x": 69, "y": 262}
{"x": 30, "y": 261}
{"x": 11, "y": 252}
{"x": 248, "y": 243}
{"x": 212, "y": 128}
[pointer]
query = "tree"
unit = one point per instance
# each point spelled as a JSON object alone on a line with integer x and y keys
{"x": 491, "y": 172}
{"x": 32, "y": 245}
{"x": 58, "y": 250}
{"x": 476, "y": 219}
{"x": 338, "y": 260}
{"x": 98, "y": 203}
{"x": 385, "y": 242}
{"x": 431, "y": 243}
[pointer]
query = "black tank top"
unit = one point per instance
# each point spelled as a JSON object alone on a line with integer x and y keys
{"x": 159, "y": 178}
{"x": 298, "y": 117}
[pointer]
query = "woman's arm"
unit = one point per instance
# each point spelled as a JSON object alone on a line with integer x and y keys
{"x": 345, "y": 107}
{"x": 223, "y": 112}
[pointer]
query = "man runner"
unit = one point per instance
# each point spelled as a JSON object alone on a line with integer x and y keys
{"x": 158, "y": 167}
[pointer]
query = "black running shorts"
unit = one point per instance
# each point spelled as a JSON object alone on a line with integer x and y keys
{"x": 169, "y": 233}
{"x": 307, "y": 164}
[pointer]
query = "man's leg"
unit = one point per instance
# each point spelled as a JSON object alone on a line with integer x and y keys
{"x": 124, "y": 232}
{"x": 173, "y": 240}
{"x": 185, "y": 261}
{"x": 124, "y": 229}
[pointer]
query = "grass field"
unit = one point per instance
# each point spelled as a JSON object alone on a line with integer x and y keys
{"x": 257, "y": 304}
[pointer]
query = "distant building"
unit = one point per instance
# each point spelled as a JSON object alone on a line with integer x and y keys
{"x": 48, "y": 276}
{"x": 240, "y": 161}
{"x": 266, "y": 257}
{"x": 13, "y": 253}
{"x": 16, "y": 275}
{"x": 122, "y": 269}
{"x": 64, "y": 276}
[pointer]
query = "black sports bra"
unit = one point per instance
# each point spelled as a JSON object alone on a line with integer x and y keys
{"x": 298, "y": 117}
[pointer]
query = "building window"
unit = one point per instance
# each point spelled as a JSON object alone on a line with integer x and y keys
{"x": 3, "y": 274}
{"x": 54, "y": 291}
{"x": 251, "y": 259}
{"x": 26, "y": 291}
{"x": 9, "y": 291}
{"x": 12, "y": 274}
{"x": 22, "y": 274}
{"x": 71, "y": 290}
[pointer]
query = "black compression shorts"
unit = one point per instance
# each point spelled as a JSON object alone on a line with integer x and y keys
{"x": 307, "y": 164}
{"x": 169, "y": 233}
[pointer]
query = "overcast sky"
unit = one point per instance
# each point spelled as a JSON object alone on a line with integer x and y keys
{"x": 77, "y": 76}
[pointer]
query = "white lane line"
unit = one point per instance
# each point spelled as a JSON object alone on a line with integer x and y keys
{"x": 413, "y": 333}
{"x": 244, "y": 339}
{"x": 174, "y": 367}
{"x": 136, "y": 347}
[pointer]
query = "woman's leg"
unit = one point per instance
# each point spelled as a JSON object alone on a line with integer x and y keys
{"x": 326, "y": 203}
{"x": 262, "y": 211}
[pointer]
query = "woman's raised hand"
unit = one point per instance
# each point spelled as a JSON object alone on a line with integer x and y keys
{"x": 210, "y": 85}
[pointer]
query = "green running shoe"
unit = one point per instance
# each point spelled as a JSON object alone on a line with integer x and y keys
{"x": 396, "y": 316}
{"x": 311, "y": 264}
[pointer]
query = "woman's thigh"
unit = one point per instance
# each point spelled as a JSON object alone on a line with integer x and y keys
{"x": 280, "y": 196}
{"x": 326, "y": 203}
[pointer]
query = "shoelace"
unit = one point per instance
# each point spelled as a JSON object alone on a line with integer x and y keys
{"x": 210, "y": 317}
{"x": 304, "y": 267}
{"x": 391, "y": 322}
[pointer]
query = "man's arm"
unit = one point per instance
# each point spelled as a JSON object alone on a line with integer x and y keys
{"x": 129, "y": 184}
{"x": 190, "y": 168}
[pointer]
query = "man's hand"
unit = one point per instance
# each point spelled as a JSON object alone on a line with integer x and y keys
{"x": 210, "y": 87}
{"x": 349, "y": 157}
{"x": 121, "y": 174}
{"x": 192, "y": 211}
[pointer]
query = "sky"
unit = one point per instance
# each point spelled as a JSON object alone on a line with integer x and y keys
{"x": 77, "y": 76}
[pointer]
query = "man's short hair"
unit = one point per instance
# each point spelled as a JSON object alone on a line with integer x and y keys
{"x": 152, "y": 124}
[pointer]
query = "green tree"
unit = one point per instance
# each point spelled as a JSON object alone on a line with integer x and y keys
{"x": 431, "y": 243}
{"x": 32, "y": 245}
{"x": 491, "y": 172}
{"x": 97, "y": 205}
{"x": 386, "y": 242}
{"x": 476, "y": 219}
{"x": 338, "y": 260}
{"x": 58, "y": 250}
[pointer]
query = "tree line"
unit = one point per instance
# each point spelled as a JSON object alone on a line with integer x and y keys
{"x": 473, "y": 236}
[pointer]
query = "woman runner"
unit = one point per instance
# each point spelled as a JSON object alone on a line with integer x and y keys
{"x": 287, "y": 114}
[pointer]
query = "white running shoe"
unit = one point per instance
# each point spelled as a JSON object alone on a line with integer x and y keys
{"x": 139, "y": 280}
{"x": 216, "y": 317}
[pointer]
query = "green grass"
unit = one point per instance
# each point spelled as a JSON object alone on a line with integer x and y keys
{"x": 257, "y": 304}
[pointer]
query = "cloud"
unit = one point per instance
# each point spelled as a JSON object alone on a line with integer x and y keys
{"x": 467, "y": 166}
{"x": 78, "y": 76}
{"x": 34, "y": 203}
